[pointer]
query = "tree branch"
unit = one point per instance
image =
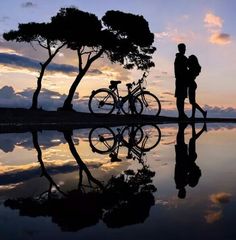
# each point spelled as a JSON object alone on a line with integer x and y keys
{"x": 43, "y": 46}
{"x": 58, "y": 49}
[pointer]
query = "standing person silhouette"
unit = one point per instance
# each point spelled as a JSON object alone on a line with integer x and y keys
{"x": 181, "y": 75}
{"x": 193, "y": 71}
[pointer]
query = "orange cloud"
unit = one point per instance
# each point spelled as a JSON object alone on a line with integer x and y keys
{"x": 220, "y": 38}
{"x": 221, "y": 197}
{"x": 212, "y": 20}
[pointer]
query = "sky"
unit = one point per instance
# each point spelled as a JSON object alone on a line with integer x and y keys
{"x": 206, "y": 27}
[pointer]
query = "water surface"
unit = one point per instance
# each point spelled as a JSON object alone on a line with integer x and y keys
{"x": 164, "y": 182}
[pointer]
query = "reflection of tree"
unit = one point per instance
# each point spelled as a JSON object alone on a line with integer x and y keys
{"x": 186, "y": 170}
{"x": 81, "y": 164}
{"x": 129, "y": 198}
{"x": 43, "y": 169}
{"x": 125, "y": 199}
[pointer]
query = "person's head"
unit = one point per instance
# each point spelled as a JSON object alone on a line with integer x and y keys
{"x": 182, "y": 48}
{"x": 193, "y": 59}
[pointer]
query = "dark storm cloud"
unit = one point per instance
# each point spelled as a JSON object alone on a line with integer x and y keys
{"x": 24, "y": 62}
{"x": 20, "y": 61}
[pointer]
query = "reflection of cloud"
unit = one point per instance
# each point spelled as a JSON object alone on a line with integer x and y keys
{"x": 221, "y": 197}
{"x": 216, "y": 211}
{"x": 47, "y": 139}
{"x": 212, "y": 20}
{"x": 220, "y": 38}
{"x": 213, "y": 216}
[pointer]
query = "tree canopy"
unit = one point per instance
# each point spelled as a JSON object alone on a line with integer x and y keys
{"x": 124, "y": 38}
{"x": 128, "y": 40}
{"x": 44, "y": 34}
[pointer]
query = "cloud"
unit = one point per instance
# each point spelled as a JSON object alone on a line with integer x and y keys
{"x": 215, "y": 111}
{"x": 220, "y": 38}
{"x": 220, "y": 198}
{"x": 212, "y": 21}
{"x": 176, "y": 35}
{"x": 160, "y": 35}
{"x": 15, "y": 60}
{"x": 4, "y": 19}
{"x": 49, "y": 100}
{"x": 214, "y": 25}
{"x": 28, "y": 5}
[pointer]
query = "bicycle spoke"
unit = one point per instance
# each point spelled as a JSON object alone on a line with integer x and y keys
{"x": 151, "y": 104}
{"x": 102, "y": 101}
{"x": 102, "y": 140}
{"x": 151, "y": 137}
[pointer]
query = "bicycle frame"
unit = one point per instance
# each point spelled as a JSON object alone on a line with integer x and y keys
{"x": 131, "y": 93}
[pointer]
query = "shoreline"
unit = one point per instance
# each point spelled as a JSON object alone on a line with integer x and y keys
{"x": 19, "y": 119}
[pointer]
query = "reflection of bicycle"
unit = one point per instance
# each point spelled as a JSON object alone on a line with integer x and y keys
{"x": 138, "y": 140}
{"x": 137, "y": 101}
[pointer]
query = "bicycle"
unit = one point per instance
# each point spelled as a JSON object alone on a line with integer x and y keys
{"x": 137, "y": 101}
{"x": 137, "y": 139}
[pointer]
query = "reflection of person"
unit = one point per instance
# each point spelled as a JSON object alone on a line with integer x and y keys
{"x": 186, "y": 170}
{"x": 181, "y": 75}
{"x": 193, "y": 71}
{"x": 181, "y": 151}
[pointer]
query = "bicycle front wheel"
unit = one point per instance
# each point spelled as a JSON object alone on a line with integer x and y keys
{"x": 133, "y": 107}
{"x": 102, "y": 101}
{"x": 151, "y": 137}
{"x": 151, "y": 104}
{"x": 102, "y": 140}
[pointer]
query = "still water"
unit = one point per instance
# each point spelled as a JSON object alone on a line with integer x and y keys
{"x": 149, "y": 182}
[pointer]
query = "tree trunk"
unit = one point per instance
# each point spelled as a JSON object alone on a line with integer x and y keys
{"x": 44, "y": 65}
{"x": 68, "y": 101}
{"x": 34, "y": 105}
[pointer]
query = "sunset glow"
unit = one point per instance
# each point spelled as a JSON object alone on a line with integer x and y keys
{"x": 207, "y": 28}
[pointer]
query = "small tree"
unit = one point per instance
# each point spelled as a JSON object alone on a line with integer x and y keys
{"x": 123, "y": 37}
{"x": 46, "y": 36}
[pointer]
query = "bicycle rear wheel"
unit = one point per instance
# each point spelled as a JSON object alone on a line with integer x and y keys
{"x": 136, "y": 107}
{"x": 151, "y": 104}
{"x": 132, "y": 134}
{"x": 102, "y": 101}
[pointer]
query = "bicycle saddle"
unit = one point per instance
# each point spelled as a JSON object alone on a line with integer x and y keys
{"x": 114, "y": 82}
